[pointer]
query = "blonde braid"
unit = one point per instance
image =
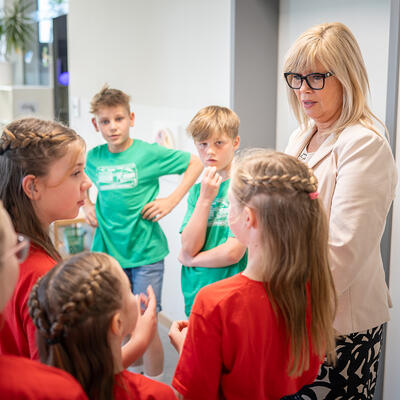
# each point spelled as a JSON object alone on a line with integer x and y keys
{"x": 284, "y": 182}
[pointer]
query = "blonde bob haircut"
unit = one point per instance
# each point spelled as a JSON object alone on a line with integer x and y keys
{"x": 335, "y": 47}
{"x": 212, "y": 120}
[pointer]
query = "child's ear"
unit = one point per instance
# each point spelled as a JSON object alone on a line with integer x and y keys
{"x": 236, "y": 142}
{"x": 132, "y": 119}
{"x": 30, "y": 188}
{"x": 116, "y": 324}
{"x": 94, "y": 122}
{"x": 250, "y": 218}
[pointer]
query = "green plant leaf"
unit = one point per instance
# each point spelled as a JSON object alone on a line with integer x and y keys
{"x": 17, "y": 27}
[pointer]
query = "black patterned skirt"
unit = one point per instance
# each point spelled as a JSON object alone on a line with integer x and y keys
{"x": 354, "y": 375}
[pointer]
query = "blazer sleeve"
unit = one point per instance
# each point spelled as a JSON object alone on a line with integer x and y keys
{"x": 365, "y": 185}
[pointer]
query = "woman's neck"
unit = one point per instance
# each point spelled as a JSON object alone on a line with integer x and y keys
{"x": 317, "y": 139}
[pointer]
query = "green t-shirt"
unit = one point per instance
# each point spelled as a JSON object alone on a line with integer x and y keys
{"x": 126, "y": 182}
{"x": 194, "y": 278}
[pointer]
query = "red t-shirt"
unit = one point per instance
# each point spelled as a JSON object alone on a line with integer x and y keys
{"x": 17, "y": 335}
{"x": 235, "y": 348}
{"x": 22, "y": 379}
{"x": 134, "y": 386}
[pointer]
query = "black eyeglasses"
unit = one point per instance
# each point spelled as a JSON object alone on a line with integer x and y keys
{"x": 21, "y": 249}
{"x": 315, "y": 81}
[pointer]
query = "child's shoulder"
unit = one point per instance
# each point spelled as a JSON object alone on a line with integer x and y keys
{"x": 222, "y": 290}
{"x": 98, "y": 150}
{"x": 40, "y": 381}
{"x": 139, "y": 384}
{"x": 229, "y": 294}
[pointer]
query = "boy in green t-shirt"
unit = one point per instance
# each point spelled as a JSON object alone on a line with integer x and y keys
{"x": 126, "y": 173}
{"x": 210, "y": 252}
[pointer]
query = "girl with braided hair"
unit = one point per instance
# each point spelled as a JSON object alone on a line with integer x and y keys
{"x": 83, "y": 308}
{"x": 263, "y": 333}
{"x": 40, "y": 381}
{"x": 42, "y": 180}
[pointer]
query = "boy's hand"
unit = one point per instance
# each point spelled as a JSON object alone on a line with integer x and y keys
{"x": 210, "y": 184}
{"x": 177, "y": 334}
{"x": 90, "y": 214}
{"x": 157, "y": 209}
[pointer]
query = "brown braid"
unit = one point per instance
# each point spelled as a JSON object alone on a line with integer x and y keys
{"x": 72, "y": 307}
{"x": 71, "y": 312}
{"x": 28, "y": 147}
{"x": 38, "y": 316}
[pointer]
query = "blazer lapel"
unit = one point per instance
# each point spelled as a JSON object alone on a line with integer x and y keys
{"x": 297, "y": 144}
{"x": 323, "y": 151}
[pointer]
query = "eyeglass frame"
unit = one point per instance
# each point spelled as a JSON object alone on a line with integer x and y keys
{"x": 21, "y": 249}
{"x": 304, "y": 78}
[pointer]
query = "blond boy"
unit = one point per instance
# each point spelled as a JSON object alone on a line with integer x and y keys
{"x": 210, "y": 252}
{"x": 126, "y": 173}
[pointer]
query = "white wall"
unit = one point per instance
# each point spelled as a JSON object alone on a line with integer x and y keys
{"x": 392, "y": 381}
{"x": 369, "y": 22}
{"x": 173, "y": 57}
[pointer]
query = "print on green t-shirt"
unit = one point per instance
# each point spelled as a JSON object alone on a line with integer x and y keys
{"x": 117, "y": 177}
{"x": 217, "y": 233}
{"x": 126, "y": 182}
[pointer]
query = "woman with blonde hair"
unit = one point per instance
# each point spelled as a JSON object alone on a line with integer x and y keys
{"x": 339, "y": 139}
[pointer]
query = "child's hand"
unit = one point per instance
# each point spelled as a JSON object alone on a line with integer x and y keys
{"x": 157, "y": 209}
{"x": 145, "y": 328}
{"x": 177, "y": 334}
{"x": 90, "y": 214}
{"x": 147, "y": 318}
{"x": 210, "y": 184}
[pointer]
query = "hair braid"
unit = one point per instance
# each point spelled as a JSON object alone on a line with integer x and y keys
{"x": 72, "y": 312}
{"x": 38, "y": 316}
{"x": 72, "y": 306}
{"x": 295, "y": 255}
{"x": 28, "y": 147}
{"x": 285, "y": 182}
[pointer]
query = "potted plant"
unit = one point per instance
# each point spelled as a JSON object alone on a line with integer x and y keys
{"x": 15, "y": 32}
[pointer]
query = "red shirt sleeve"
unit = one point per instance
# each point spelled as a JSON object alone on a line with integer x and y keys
{"x": 18, "y": 335}
{"x": 28, "y": 327}
{"x": 199, "y": 369}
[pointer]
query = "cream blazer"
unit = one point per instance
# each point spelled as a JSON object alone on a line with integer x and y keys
{"x": 356, "y": 179}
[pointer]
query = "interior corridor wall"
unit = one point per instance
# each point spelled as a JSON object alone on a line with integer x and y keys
{"x": 173, "y": 57}
{"x": 392, "y": 381}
